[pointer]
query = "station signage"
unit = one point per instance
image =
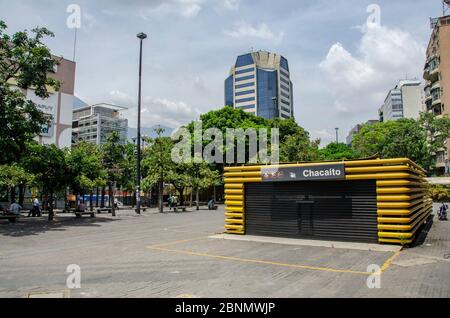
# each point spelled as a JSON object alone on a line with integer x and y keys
{"x": 305, "y": 173}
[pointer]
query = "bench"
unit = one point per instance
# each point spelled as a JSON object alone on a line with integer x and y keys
{"x": 12, "y": 218}
{"x": 182, "y": 208}
{"x": 100, "y": 210}
{"x": 79, "y": 214}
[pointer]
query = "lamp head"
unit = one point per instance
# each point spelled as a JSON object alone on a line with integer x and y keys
{"x": 142, "y": 36}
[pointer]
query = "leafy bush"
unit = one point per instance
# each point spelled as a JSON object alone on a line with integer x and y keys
{"x": 439, "y": 193}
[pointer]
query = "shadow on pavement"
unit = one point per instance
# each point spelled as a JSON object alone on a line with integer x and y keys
{"x": 35, "y": 226}
{"x": 423, "y": 232}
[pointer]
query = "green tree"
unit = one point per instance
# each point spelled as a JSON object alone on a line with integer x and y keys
{"x": 48, "y": 165}
{"x": 12, "y": 176}
{"x": 86, "y": 170}
{"x": 418, "y": 140}
{"x": 337, "y": 151}
{"x": 157, "y": 164}
{"x": 26, "y": 62}
{"x": 113, "y": 160}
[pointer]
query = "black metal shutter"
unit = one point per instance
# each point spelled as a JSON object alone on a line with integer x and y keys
{"x": 329, "y": 210}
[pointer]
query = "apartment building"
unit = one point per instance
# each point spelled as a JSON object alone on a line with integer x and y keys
{"x": 95, "y": 123}
{"x": 437, "y": 77}
{"x": 405, "y": 100}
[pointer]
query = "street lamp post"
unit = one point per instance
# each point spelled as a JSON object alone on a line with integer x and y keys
{"x": 141, "y": 36}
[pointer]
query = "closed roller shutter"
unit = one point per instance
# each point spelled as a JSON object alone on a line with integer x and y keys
{"x": 329, "y": 210}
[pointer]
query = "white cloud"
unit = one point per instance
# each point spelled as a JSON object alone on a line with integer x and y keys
{"x": 261, "y": 31}
{"x": 186, "y": 8}
{"x": 360, "y": 82}
{"x": 156, "y": 111}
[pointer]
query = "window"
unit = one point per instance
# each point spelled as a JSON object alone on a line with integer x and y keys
{"x": 252, "y": 91}
{"x": 285, "y": 95}
{"x": 244, "y": 60}
{"x": 267, "y": 94}
{"x": 229, "y": 92}
{"x": 244, "y": 100}
{"x": 285, "y": 88}
{"x": 247, "y": 70}
{"x": 246, "y": 107}
{"x": 240, "y": 79}
{"x": 245, "y": 85}
{"x": 285, "y": 81}
{"x": 284, "y": 73}
{"x": 285, "y": 102}
{"x": 287, "y": 110}
{"x": 284, "y": 64}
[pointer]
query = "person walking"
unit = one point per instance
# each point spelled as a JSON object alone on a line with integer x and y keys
{"x": 443, "y": 212}
{"x": 36, "y": 207}
{"x": 170, "y": 202}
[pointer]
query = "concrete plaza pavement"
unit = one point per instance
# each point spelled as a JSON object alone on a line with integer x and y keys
{"x": 174, "y": 255}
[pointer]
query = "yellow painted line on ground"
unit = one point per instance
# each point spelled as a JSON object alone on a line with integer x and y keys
{"x": 177, "y": 242}
{"x": 160, "y": 247}
{"x": 388, "y": 263}
{"x": 244, "y": 260}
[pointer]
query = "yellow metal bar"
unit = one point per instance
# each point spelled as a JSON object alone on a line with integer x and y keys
{"x": 234, "y": 215}
{"x": 234, "y": 227}
{"x": 395, "y": 241}
{"x": 380, "y": 176}
{"x": 234, "y": 197}
{"x": 393, "y": 183}
{"x": 398, "y": 190}
{"x": 238, "y": 203}
{"x": 242, "y": 180}
{"x": 399, "y": 197}
{"x": 234, "y": 221}
{"x": 235, "y": 209}
{"x": 242, "y": 174}
{"x": 234, "y": 186}
{"x": 234, "y": 191}
{"x": 377, "y": 169}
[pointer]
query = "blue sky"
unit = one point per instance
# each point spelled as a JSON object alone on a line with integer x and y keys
{"x": 341, "y": 69}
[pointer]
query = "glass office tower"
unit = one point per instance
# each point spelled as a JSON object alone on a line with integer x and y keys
{"x": 259, "y": 83}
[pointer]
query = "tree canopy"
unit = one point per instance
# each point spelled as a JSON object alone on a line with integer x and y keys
{"x": 26, "y": 62}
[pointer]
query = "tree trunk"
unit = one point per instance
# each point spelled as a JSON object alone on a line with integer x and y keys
{"x": 91, "y": 201}
{"x": 215, "y": 194}
{"x": 161, "y": 196}
{"x": 191, "y": 197}
{"x": 13, "y": 194}
{"x": 103, "y": 198}
{"x": 197, "y": 198}
{"x": 181, "y": 193}
{"x": 21, "y": 194}
{"x": 50, "y": 206}
{"x": 111, "y": 199}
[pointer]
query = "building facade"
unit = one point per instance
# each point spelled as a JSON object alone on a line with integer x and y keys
{"x": 405, "y": 100}
{"x": 95, "y": 123}
{"x": 58, "y": 106}
{"x": 437, "y": 77}
{"x": 259, "y": 83}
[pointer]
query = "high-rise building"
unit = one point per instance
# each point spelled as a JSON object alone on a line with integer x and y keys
{"x": 259, "y": 83}
{"x": 405, "y": 100}
{"x": 357, "y": 129}
{"x": 437, "y": 76}
{"x": 58, "y": 106}
{"x": 95, "y": 123}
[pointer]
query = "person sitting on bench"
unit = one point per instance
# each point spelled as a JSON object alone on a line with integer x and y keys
{"x": 15, "y": 208}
